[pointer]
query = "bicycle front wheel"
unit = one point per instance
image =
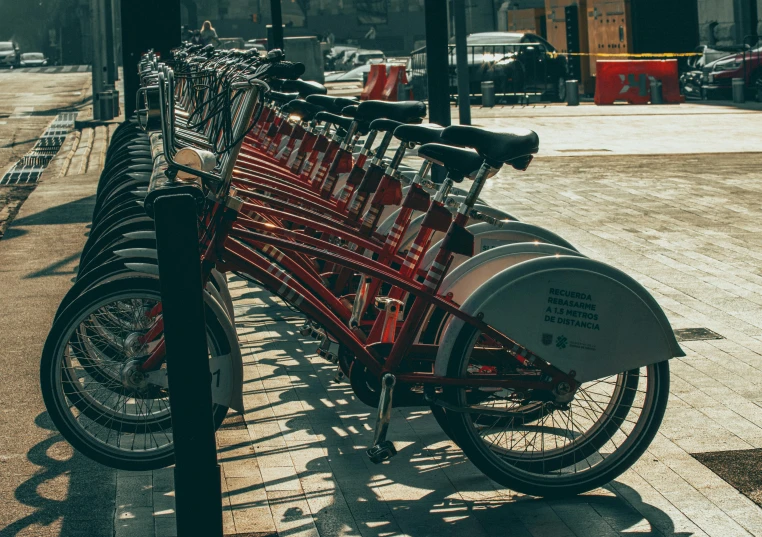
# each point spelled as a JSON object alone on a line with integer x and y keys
{"x": 91, "y": 381}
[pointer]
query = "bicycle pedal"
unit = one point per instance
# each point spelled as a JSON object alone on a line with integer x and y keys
{"x": 381, "y": 452}
{"x": 328, "y": 355}
{"x": 306, "y": 329}
{"x": 338, "y": 378}
{"x": 329, "y": 350}
{"x": 317, "y": 333}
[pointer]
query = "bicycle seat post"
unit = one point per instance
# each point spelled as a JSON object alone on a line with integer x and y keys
{"x": 476, "y": 188}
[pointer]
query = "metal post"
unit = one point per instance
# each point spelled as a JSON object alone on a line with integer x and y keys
{"x": 277, "y": 23}
{"x": 572, "y": 92}
{"x": 436, "y": 61}
{"x": 737, "y": 85}
{"x": 146, "y": 24}
{"x": 198, "y": 493}
{"x": 97, "y": 20}
{"x": 438, "y": 77}
{"x": 461, "y": 56}
{"x": 108, "y": 25}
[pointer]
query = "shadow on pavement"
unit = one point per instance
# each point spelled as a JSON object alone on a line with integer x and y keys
{"x": 74, "y": 212}
{"x": 429, "y": 488}
{"x": 88, "y": 504}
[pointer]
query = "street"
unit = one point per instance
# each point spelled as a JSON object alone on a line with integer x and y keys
{"x": 28, "y": 104}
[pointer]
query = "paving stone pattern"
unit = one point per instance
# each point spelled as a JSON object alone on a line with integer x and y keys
{"x": 685, "y": 227}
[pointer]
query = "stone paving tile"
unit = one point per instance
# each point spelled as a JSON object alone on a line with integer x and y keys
{"x": 685, "y": 228}
{"x": 308, "y": 436}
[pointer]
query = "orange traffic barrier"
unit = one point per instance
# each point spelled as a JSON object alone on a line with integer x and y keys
{"x": 376, "y": 81}
{"x": 397, "y": 76}
{"x": 629, "y": 80}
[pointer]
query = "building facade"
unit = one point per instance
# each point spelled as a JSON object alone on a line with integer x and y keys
{"x": 394, "y": 26}
{"x": 729, "y": 22}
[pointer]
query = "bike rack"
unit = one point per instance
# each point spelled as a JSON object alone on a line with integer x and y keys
{"x": 198, "y": 492}
{"x": 198, "y": 487}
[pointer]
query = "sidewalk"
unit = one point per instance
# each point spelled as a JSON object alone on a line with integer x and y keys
{"x": 621, "y": 129}
{"x": 47, "y": 489}
{"x": 294, "y": 463}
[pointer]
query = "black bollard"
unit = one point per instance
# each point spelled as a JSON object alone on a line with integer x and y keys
{"x": 437, "y": 69}
{"x": 198, "y": 494}
{"x": 146, "y": 24}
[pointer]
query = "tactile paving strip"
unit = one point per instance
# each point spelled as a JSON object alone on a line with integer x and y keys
{"x": 30, "y": 167}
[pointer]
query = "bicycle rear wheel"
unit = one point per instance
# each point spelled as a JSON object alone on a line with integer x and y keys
{"x": 563, "y": 449}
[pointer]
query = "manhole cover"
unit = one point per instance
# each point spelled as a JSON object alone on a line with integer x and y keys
{"x": 251, "y": 534}
{"x": 741, "y": 469}
{"x": 696, "y": 334}
{"x": 584, "y": 150}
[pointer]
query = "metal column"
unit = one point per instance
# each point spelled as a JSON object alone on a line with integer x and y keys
{"x": 98, "y": 24}
{"x": 436, "y": 61}
{"x": 198, "y": 494}
{"x": 437, "y": 68}
{"x": 461, "y": 57}
{"x": 146, "y": 24}
{"x": 277, "y": 24}
{"x": 108, "y": 22}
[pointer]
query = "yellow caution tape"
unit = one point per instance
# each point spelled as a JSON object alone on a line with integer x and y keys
{"x": 632, "y": 55}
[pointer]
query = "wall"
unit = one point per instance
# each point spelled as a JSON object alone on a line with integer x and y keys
{"x": 718, "y": 17}
{"x": 405, "y": 24}
{"x": 307, "y": 51}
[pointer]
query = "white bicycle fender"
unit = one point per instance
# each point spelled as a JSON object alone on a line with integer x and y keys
{"x": 387, "y": 219}
{"x": 227, "y": 370}
{"x": 487, "y": 237}
{"x": 578, "y": 314}
{"x": 470, "y": 275}
{"x": 415, "y": 224}
{"x": 461, "y": 282}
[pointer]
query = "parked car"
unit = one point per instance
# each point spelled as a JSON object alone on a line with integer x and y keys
{"x": 363, "y": 57}
{"x": 255, "y": 44}
{"x": 517, "y": 62}
{"x": 9, "y": 54}
{"x": 33, "y": 59}
{"x": 345, "y": 61}
{"x": 717, "y": 79}
{"x": 691, "y": 77}
{"x": 228, "y": 43}
{"x": 335, "y": 56}
{"x": 353, "y": 75}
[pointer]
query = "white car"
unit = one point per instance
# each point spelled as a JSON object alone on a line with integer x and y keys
{"x": 33, "y": 59}
{"x": 252, "y": 44}
{"x": 363, "y": 57}
{"x": 9, "y": 54}
{"x": 354, "y": 75}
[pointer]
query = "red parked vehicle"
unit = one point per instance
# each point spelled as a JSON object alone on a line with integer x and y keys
{"x": 718, "y": 75}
